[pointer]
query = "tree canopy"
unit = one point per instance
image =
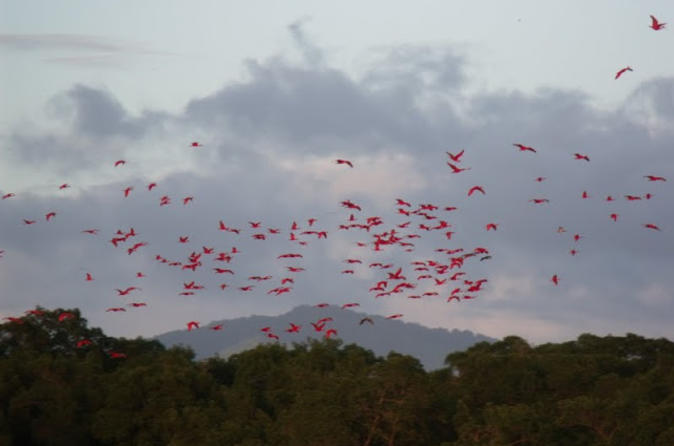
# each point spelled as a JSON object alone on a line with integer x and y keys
{"x": 64, "y": 383}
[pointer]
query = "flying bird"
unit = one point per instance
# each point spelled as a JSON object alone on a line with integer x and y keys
{"x": 579, "y": 156}
{"x": 621, "y": 71}
{"x": 119, "y": 163}
{"x": 366, "y": 319}
{"x": 347, "y": 162}
{"x": 475, "y": 189}
{"x": 191, "y": 325}
{"x": 457, "y": 169}
{"x": 555, "y": 279}
{"x": 655, "y": 25}
{"x": 456, "y": 158}
{"x": 524, "y": 148}
{"x": 126, "y": 291}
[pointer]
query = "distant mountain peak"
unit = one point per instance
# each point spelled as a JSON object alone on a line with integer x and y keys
{"x": 373, "y": 332}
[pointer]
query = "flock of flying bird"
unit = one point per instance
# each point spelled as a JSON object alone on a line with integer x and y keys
{"x": 429, "y": 278}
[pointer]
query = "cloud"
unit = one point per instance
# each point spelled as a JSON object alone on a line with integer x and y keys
{"x": 82, "y": 50}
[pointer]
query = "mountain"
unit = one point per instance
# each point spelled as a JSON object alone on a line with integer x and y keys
{"x": 429, "y": 345}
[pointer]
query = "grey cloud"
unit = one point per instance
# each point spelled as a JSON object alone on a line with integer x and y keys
{"x": 304, "y": 106}
{"x": 98, "y": 114}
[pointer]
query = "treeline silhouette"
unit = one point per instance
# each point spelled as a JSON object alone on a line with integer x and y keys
{"x": 64, "y": 383}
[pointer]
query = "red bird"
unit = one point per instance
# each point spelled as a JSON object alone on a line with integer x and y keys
{"x": 347, "y": 162}
{"x": 135, "y": 247}
{"x": 654, "y": 178}
{"x": 621, "y": 71}
{"x": 578, "y": 156}
{"x": 491, "y": 226}
{"x": 137, "y": 304}
{"x": 474, "y": 189}
{"x": 350, "y": 205}
{"x": 456, "y": 158}
{"x": 126, "y": 291}
{"x": 28, "y": 222}
{"x": 115, "y": 309}
{"x": 64, "y": 186}
{"x": 457, "y": 169}
{"x": 90, "y": 231}
{"x": 127, "y": 191}
{"x": 119, "y": 163}
{"x": 614, "y": 217}
{"x": 651, "y": 226}
{"x": 524, "y": 148}
{"x": 195, "y": 144}
{"x": 555, "y": 279}
{"x": 151, "y": 186}
{"x": 294, "y": 328}
{"x": 655, "y": 25}
{"x": 539, "y": 179}
{"x": 50, "y": 215}
{"x": 317, "y": 326}
{"x": 65, "y": 315}
{"x": 349, "y": 305}
{"x": 83, "y": 343}
{"x": 331, "y": 332}
{"x": 89, "y": 277}
{"x": 117, "y": 355}
{"x": 187, "y": 200}
{"x": 191, "y": 325}
{"x": 394, "y": 316}
{"x": 183, "y": 239}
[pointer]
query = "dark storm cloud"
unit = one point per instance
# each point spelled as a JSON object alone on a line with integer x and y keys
{"x": 411, "y": 103}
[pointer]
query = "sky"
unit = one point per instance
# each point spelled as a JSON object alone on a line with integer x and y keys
{"x": 274, "y": 94}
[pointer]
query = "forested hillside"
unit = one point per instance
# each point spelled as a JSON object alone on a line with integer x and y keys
{"x": 63, "y": 383}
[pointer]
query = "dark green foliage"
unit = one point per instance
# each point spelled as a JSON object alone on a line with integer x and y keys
{"x": 592, "y": 391}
